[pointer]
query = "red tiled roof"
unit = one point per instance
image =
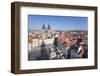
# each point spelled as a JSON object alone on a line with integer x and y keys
{"x": 30, "y": 40}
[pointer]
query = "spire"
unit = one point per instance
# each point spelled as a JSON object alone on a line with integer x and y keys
{"x": 43, "y": 26}
{"x": 48, "y": 27}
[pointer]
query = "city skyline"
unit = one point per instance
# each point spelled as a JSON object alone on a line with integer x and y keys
{"x": 35, "y": 22}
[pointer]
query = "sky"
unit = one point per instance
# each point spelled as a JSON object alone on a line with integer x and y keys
{"x": 35, "y": 22}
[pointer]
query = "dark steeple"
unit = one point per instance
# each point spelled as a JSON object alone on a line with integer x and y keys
{"x": 43, "y": 26}
{"x": 48, "y": 27}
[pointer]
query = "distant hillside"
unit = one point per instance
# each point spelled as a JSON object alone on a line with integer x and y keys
{"x": 77, "y": 31}
{"x": 33, "y": 30}
{"x": 61, "y": 30}
{"x": 72, "y": 30}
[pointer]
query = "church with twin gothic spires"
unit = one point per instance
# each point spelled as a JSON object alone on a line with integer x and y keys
{"x": 44, "y": 29}
{"x": 47, "y": 31}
